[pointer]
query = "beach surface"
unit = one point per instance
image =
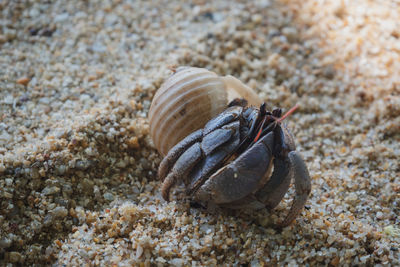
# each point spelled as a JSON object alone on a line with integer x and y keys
{"x": 78, "y": 169}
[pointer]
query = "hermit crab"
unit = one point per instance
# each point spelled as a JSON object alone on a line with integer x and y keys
{"x": 244, "y": 157}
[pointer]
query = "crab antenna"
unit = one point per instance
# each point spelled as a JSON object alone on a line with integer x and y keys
{"x": 261, "y": 128}
{"x": 288, "y": 113}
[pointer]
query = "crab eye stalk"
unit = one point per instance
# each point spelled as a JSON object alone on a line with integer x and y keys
{"x": 262, "y": 131}
{"x": 277, "y": 112}
{"x": 263, "y": 110}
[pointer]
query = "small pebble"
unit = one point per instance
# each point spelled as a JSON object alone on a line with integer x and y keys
{"x": 14, "y": 256}
{"x": 109, "y": 196}
{"x": 23, "y": 81}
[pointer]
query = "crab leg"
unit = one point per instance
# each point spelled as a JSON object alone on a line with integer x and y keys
{"x": 227, "y": 139}
{"x": 240, "y": 177}
{"x": 175, "y": 152}
{"x": 182, "y": 167}
{"x": 302, "y": 184}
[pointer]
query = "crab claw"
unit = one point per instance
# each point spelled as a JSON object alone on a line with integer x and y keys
{"x": 241, "y": 177}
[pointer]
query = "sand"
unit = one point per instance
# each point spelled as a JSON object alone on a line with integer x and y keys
{"x": 78, "y": 169}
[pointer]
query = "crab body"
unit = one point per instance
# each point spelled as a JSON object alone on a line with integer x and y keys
{"x": 243, "y": 158}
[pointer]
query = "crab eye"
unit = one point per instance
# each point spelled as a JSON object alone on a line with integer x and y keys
{"x": 277, "y": 112}
{"x": 263, "y": 110}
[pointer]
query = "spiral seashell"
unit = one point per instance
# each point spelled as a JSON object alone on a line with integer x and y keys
{"x": 187, "y": 100}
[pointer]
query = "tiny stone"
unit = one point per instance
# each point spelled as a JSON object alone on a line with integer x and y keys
{"x": 7, "y": 195}
{"x": 14, "y": 256}
{"x": 108, "y": 196}
{"x": 5, "y": 242}
{"x": 133, "y": 142}
{"x": 290, "y": 33}
{"x": 8, "y": 100}
{"x": 24, "y": 81}
{"x": 2, "y": 168}
{"x": 48, "y": 219}
{"x": 50, "y": 190}
{"x": 34, "y": 173}
{"x": 82, "y": 164}
{"x": 177, "y": 262}
{"x": 60, "y": 212}
{"x": 61, "y": 169}
{"x": 257, "y": 18}
{"x": 329, "y": 72}
{"x": 9, "y": 181}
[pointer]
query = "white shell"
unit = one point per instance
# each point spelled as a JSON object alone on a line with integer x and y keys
{"x": 187, "y": 100}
